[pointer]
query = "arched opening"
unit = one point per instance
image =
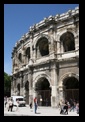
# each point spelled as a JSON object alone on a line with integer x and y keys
{"x": 71, "y": 88}
{"x": 27, "y": 92}
{"x": 67, "y": 39}
{"x": 28, "y": 53}
{"x": 20, "y": 57}
{"x": 42, "y": 47}
{"x": 18, "y": 88}
{"x": 42, "y": 87}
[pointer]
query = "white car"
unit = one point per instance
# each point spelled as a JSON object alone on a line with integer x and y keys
{"x": 20, "y": 99}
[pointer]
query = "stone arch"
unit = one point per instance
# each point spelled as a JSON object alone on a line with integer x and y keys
{"x": 18, "y": 89}
{"x": 26, "y": 85}
{"x": 40, "y": 76}
{"x": 60, "y": 46}
{"x": 68, "y": 41}
{"x": 41, "y": 36}
{"x": 25, "y": 82}
{"x": 42, "y": 47}
{"x": 66, "y": 75}
{"x": 20, "y": 57}
{"x": 26, "y": 91}
{"x": 43, "y": 90}
{"x": 27, "y": 54}
{"x": 69, "y": 89}
{"x": 65, "y": 31}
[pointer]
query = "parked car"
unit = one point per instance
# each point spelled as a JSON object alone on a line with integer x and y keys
{"x": 20, "y": 99}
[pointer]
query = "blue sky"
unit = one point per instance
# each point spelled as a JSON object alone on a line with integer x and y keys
{"x": 17, "y": 20}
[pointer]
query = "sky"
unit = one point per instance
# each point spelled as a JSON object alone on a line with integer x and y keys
{"x": 17, "y": 20}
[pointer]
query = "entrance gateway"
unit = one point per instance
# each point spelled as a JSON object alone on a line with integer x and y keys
{"x": 43, "y": 90}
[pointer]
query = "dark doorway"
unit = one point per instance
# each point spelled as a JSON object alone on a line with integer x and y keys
{"x": 27, "y": 92}
{"x": 18, "y": 88}
{"x": 71, "y": 88}
{"x": 43, "y": 92}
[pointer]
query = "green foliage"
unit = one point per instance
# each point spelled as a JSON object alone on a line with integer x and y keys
{"x": 7, "y": 83}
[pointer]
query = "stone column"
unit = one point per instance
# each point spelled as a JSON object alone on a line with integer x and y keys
{"x": 34, "y": 55}
{"x": 58, "y": 46}
{"x": 51, "y": 48}
{"x": 31, "y": 51}
{"x": 24, "y": 92}
{"x": 24, "y": 57}
{"x": 61, "y": 95}
{"x": 54, "y": 85}
{"x": 30, "y": 85}
{"x": 76, "y": 42}
{"x": 21, "y": 84}
{"x": 61, "y": 47}
{"x": 23, "y": 88}
{"x": 34, "y": 92}
{"x": 38, "y": 52}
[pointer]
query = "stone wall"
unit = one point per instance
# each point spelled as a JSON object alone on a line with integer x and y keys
{"x": 46, "y": 52}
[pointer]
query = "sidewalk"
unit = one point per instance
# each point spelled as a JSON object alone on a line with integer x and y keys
{"x": 41, "y": 111}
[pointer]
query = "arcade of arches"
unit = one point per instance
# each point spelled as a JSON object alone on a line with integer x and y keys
{"x": 45, "y": 61}
{"x": 71, "y": 88}
{"x": 43, "y": 90}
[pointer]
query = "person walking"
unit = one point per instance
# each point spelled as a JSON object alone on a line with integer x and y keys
{"x": 66, "y": 108}
{"x": 30, "y": 105}
{"x": 17, "y": 104}
{"x": 35, "y": 104}
{"x": 71, "y": 105}
{"x": 77, "y": 107}
{"x": 10, "y": 105}
{"x": 61, "y": 103}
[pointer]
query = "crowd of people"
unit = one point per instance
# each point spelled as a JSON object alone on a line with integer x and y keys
{"x": 64, "y": 105}
{"x": 71, "y": 105}
{"x": 8, "y": 102}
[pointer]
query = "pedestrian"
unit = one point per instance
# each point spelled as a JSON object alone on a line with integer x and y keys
{"x": 31, "y": 105}
{"x": 71, "y": 105}
{"x": 61, "y": 103}
{"x": 17, "y": 101}
{"x": 35, "y": 104}
{"x": 10, "y": 105}
{"x": 66, "y": 108}
{"x": 77, "y": 107}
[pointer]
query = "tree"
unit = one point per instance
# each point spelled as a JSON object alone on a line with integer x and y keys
{"x": 7, "y": 84}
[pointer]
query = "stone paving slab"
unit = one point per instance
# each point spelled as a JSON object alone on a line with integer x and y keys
{"x": 41, "y": 111}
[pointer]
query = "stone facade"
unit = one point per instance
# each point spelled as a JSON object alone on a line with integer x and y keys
{"x": 48, "y": 53}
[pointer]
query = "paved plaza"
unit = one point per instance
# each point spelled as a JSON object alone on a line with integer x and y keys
{"x": 41, "y": 111}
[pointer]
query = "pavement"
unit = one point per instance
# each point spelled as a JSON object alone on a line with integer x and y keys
{"x": 41, "y": 111}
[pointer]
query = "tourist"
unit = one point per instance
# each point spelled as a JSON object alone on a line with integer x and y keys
{"x": 10, "y": 105}
{"x": 31, "y": 105}
{"x": 35, "y": 104}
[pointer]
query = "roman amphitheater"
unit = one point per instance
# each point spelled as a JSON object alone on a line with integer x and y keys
{"x": 45, "y": 61}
